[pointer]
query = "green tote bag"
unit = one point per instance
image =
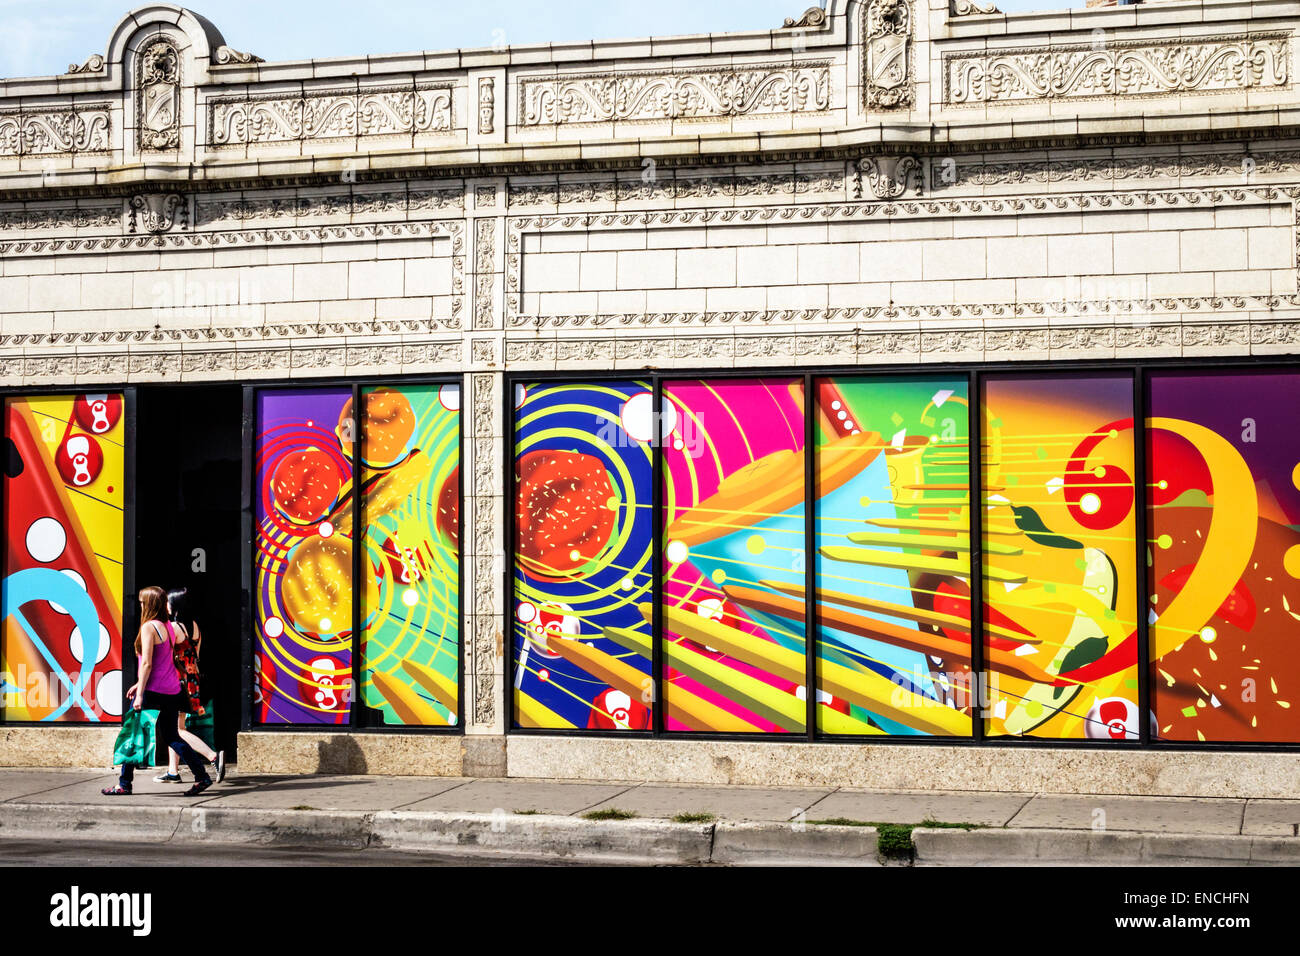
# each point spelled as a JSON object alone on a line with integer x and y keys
{"x": 135, "y": 741}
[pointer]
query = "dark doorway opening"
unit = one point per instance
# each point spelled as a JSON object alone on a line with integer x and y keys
{"x": 188, "y": 473}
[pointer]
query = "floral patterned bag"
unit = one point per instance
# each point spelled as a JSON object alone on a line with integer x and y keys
{"x": 187, "y": 669}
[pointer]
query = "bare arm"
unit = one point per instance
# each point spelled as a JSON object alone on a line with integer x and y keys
{"x": 146, "y": 665}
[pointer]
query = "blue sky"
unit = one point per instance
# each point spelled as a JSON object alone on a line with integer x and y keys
{"x": 41, "y": 37}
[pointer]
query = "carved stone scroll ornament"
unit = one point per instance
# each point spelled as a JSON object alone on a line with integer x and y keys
{"x": 759, "y": 90}
{"x": 887, "y": 60}
{"x": 158, "y": 89}
{"x": 1143, "y": 68}
{"x": 226, "y": 55}
{"x": 813, "y": 17}
{"x": 94, "y": 64}
{"x": 967, "y": 8}
{"x": 157, "y": 213}
{"x": 887, "y": 177}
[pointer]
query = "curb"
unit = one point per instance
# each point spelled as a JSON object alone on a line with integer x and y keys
{"x": 1054, "y": 847}
{"x": 780, "y": 844}
{"x": 542, "y": 838}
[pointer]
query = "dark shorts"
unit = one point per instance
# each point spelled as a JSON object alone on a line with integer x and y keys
{"x": 177, "y": 703}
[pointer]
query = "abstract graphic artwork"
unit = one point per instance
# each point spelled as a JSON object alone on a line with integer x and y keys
{"x": 893, "y": 557}
{"x": 61, "y": 649}
{"x": 1060, "y": 566}
{"x": 405, "y": 445}
{"x": 410, "y": 631}
{"x": 582, "y": 579}
{"x": 734, "y": 496}
{"x": 1224, "y": 556}
{"x": 304, "y": 513}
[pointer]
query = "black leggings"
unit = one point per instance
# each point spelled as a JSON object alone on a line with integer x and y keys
{"x": 169, "y": 709}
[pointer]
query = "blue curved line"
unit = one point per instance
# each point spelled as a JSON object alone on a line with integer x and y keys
{"x": 46, "y": 584}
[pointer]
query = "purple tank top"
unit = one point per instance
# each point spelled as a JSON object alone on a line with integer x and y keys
{"x": 163, "y": 678}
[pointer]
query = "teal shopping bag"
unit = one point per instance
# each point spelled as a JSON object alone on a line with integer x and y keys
{"x": 135, "y": 741}
{"x": 202, "y": 727}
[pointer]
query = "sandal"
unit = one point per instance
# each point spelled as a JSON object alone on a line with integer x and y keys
{"x": 115, "y": 791}
{"x": 199, "y": 787}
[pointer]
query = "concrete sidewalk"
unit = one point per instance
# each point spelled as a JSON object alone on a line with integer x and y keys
{"x": 543, "y": 819}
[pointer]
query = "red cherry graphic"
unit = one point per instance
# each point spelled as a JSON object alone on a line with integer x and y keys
{"x": 305, "y": 485}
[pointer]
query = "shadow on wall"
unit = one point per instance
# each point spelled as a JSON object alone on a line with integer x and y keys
{"x": 340, "y": 755}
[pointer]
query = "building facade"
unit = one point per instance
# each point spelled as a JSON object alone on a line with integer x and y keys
{"x": 653, "y": 409}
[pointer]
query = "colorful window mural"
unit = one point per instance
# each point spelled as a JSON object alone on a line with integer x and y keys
{"x": 1061, "y": 631}
{"x": 410, "y": 630}
{"x": 304, "y": 556}
{"x": 407, "y": 450}
{"x": 582, "y": 581}
{"x": 61, "y": 649}
{"x": 734, "y": 535}
{"x": 893, "y": 556}
{"x": 1060, "y": 565}
{"x": 1224, "y": 556}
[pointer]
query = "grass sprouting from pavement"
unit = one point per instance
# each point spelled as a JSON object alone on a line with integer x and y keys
{"x": 527, "y": 813}
{"x": 894, "y": 840}
{"x": 613, "y": 813}
{"x": 688, "y": 817}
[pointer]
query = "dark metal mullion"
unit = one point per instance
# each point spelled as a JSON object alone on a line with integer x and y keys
{"x": 130, "y": 445}
{"x": 811, "y": 632}
{"x": 980, "y": 692}
{"x": 656, "y": 556}
{"x": 358, "y": 543}
{"x": 460, "y": 567}
{"x": 510, "y": 515}
{"x": 1141, "y": 534}
{"x": 247, "y": 599}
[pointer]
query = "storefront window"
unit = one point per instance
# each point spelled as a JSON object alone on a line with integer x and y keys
{"x": 1060, "y": 562}
{"x": 582, "y": 576}
{"x": 64, "y": 495}
{"x": 1224, "y": 556}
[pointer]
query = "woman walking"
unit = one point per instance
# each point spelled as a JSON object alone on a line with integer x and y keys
{"x": 159, "y": 688}
{"x": 181, "y": 614}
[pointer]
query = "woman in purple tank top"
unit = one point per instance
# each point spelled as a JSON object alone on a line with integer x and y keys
{"x": 159, "y": 688}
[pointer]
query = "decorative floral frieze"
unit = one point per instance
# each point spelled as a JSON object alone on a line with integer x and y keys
{"x": 72, "y": 129}
{"x": 667, "y": 187}
{"x": 394, "y": 200}
{"x": 869, "y": 346}
{"x": 757, "y": 90}
{"x": 484, "y": 272}
{"x": 485, "y": 488}
{"x": 887, "y": 81}
{"x": 949, "y": 172}
{"x": 52, "y": 218}
{"x": 331, "y": 115}
{"x": 1117, "y": 68}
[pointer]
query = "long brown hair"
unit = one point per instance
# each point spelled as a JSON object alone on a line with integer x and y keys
{"x": 153, "y": 607}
